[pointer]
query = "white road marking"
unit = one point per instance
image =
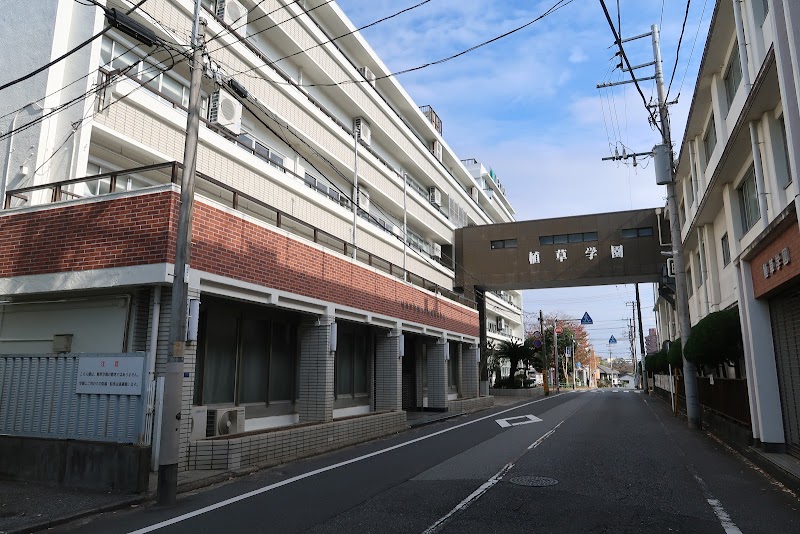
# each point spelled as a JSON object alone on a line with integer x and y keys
{"x": 528, "y": 419}
{"x": 497, "y": 477}
{"x": 288, "y": 481}
{"x": 723, "y": 517}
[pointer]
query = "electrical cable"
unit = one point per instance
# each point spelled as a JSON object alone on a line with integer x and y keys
{"x": 230, "y": 27}
{"x": 678, "y": 50}
{"x": 558, "y": 5}
{"x": 618, "y": 42}
{"x": 691, "y": 53}
{"x": 66, "y": 54}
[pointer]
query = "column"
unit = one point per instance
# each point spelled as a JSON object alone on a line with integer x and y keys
{"x": 762, "y": 374}
{"x": 437, "y": 375}
{"x": 388, "y": 371}
{"x": 469, "y": 371}
{"x": 187, "y": 384}
{"x": 316, "y": 370}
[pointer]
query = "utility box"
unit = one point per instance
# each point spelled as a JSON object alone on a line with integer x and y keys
{"x": 663, "y": 163}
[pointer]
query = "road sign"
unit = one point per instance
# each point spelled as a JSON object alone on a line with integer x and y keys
{"x": 537, "y": 343}
{"x": 586, "y": 319}
{"x": 612, "y": 340}
{"x": 537, "y": 335}
{"x": 526, "y": 420}
{"x": 578, "y": 365}
{"x": 559, "y": 330}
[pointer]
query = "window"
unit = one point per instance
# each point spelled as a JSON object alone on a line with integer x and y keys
{"x": 748, "y": 201}
{"x": 504, "y": 243}
{"x": 452, "y": 369}
{"x": 760, "y": 11}
{"x": 351, "y": 361}
{"x": 726, "y": 250}
{"x": 682, "y": 213}
{"x": 689, "y": 284}
{"x": 733, "y": 76}
{"x": 248, "y": 141}
{"x": 699, "y": 279}
{"x": 562, "y": 239}
{"x": 710, "y": 138}
{"x": 628, "y": 233}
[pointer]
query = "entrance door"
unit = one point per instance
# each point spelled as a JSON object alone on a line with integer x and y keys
{"x": 409, "y": 376}
{"x": 785, "y": 318}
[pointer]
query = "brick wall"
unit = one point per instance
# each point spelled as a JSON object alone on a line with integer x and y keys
{"x": 140, "y": 230}
{"x": 788, "y": 238}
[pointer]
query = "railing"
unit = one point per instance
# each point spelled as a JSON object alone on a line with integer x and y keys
{"x": 61, "y": 412}
{"x": 154, "y": 175}
{"x": 492, "y": 328}
{"x": 725, "y": 396}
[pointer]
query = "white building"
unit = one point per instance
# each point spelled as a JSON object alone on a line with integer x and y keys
{"x": 737, "y": 201}
{"x": 307, "y": 314}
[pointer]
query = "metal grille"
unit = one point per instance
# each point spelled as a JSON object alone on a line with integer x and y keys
{"x": 38, "y": 399}
{"x": 785, "y": 318}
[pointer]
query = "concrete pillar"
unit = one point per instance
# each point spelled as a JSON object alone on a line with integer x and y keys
{"x": 316, "y": 370}
{"x": 388, "y": 372}
{"x": 759, "y": 354}
{"x": 469, "y": 371}
{"x": 187, "y": 384}
{"x": 421, "y": 372}
{"x": 713, "y": 266}
{"x": 437, "y": 375}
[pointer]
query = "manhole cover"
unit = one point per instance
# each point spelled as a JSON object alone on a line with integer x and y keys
{"x": 535, "y": 482}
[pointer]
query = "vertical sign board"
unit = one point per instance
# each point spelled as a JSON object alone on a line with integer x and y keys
{"x": 112, "y": 374}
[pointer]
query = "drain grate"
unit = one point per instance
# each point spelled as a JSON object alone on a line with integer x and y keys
{"x": 534, "y": 482}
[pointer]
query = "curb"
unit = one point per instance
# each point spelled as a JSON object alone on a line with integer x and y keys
{"x": 79, "y": 515}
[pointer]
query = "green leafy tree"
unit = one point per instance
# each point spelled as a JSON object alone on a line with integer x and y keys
{"x": 716, "y": 340}
{"x": 515, "y": 352}
{"x": 674, "y": 357}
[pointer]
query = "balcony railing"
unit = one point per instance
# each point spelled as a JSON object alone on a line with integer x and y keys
{"x": 140, "y": 178}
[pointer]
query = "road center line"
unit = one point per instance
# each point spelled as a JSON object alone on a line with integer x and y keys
{"x": 497, "y": 477}
{"x": 288, "y": 481}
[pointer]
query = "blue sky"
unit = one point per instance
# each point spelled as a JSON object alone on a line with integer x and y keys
{"x": 528, "y": 107}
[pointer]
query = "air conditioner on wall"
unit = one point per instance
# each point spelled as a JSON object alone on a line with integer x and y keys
{"x": 368, "y": 75}
{"x": 228, "y": 421}
{"x": 233, "y": 14}
{"x": 362, "y": 130}
{"x": 435, "y": 196}
{"x": 226, "y": 112}
{"x": 436, "y": 250}
{"x": 199, "y": 423}
{"x": 437, "y": 149}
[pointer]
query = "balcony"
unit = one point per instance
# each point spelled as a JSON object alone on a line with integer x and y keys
{"x": 155, "y": 177}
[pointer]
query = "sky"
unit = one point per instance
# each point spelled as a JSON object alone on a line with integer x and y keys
{"x": 527, "y": 106}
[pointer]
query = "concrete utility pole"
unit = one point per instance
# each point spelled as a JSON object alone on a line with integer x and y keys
{"x": 173, "y": 380}
{"x": 546, "y": 370}
{"x": 642, "y": 372}
{"x": 681, "y": 299}
{"x": 555, "y": 354}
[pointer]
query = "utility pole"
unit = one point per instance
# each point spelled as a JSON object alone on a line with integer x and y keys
{"x": 356, "y": 136}
{"x": 173, "y": 380}
{"x": 555, "y": 354}
{"x": 681, "y": 300}
{"x": 546, "y": 370}
{"x": 642, "y": 372}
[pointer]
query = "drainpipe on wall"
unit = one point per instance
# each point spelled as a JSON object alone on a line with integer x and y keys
{"x": 154, "y": 322}
{"x": 703, "y": 267}
{"x": 759, "y": 171}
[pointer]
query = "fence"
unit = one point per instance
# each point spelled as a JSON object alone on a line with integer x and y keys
{"x": 726, "y": 396}
{"x": 39, "y": 396}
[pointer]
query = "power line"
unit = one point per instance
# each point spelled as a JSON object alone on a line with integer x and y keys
{"x": 618, "y": 42}
{"x": 558, "y": 5}
{"x": 68, "y": 53}
{"x": 678, "y": 51}
{"x": 230, "y": 29}
{"x": 373, "y": 23}
{"x": 694, "y": 42}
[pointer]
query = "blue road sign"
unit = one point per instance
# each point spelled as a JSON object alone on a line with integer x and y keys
{"x": 612, "y": 340}
{"x": 578, "y": 365}
{"x": 537, "y": 343}
{"x": 586, "y": 319}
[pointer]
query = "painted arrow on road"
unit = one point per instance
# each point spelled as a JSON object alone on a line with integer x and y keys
{"x": 525, "y": 420}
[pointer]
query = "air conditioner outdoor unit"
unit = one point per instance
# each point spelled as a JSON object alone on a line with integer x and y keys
{"x": 473, "y": 191}
{"x": 233, "y": 13}
{"x": 226, "y": 112}
{"x": 199, "y": 424}
{"x": 362, "y": 129}
{"x": 363, "y": 199}
{"x": 368, "y": 75}
{"x": 437, "y": 149}
{"x": 436, "y": 250}
{"x": 228, "y": 421}
{"x": 435, "y": 196}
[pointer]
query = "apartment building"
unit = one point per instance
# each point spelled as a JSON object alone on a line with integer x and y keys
{"x": 737, "y": 192}
{"x": 321, "y": 276}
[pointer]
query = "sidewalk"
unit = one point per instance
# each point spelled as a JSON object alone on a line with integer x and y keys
{"x": 30, "y": 507}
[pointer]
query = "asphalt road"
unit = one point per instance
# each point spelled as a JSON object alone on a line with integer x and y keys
{"x": 594, "y": 461}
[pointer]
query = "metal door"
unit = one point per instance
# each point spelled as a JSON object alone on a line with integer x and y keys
{"x": 785, "y": 318}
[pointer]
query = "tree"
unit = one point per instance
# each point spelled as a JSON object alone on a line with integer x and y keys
{"x": 716, "y": 340}
{"x": 515, "y": 352}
